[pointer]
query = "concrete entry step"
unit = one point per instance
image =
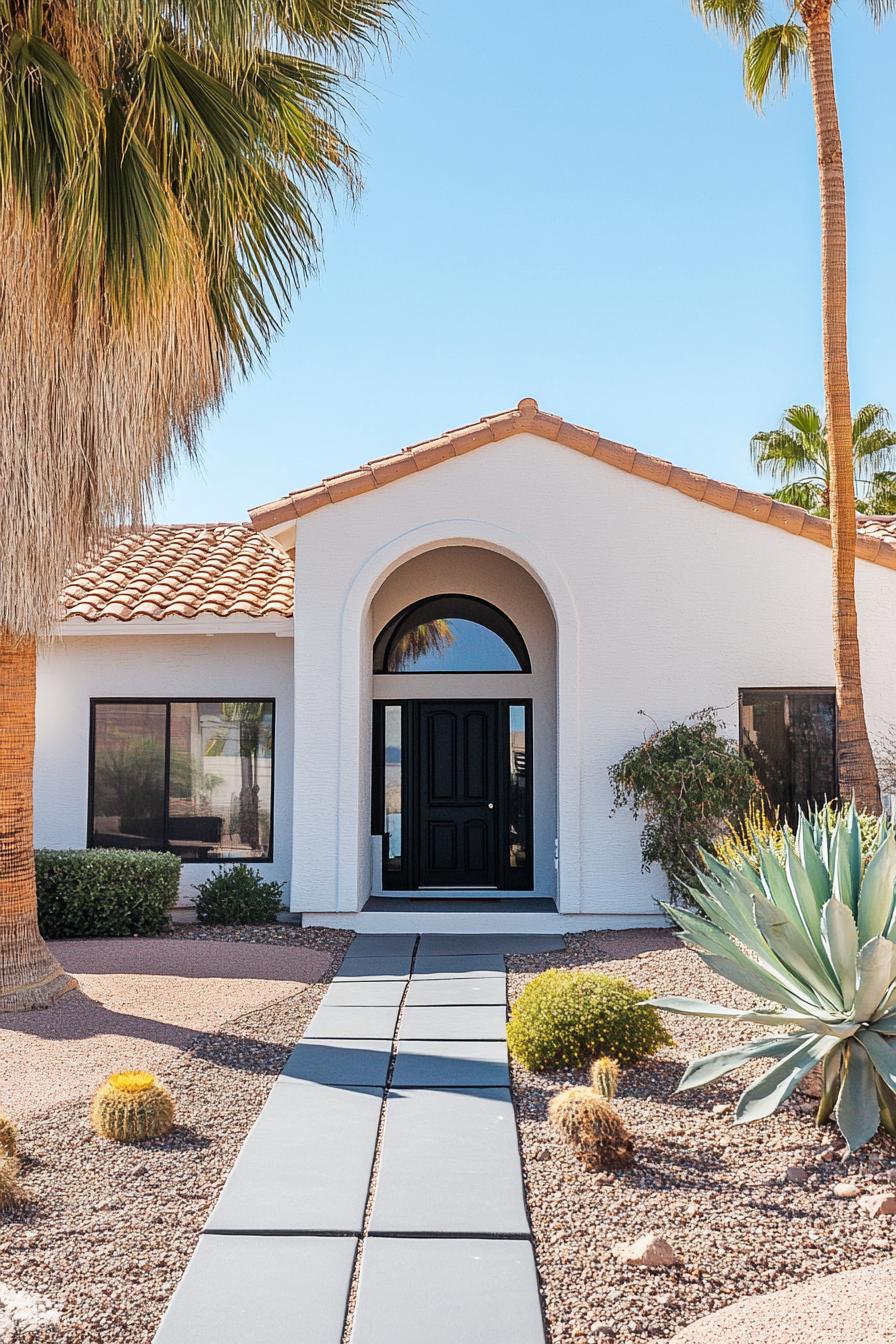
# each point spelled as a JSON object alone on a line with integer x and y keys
{"x": 488, "y": 963}
{"x": 366, "y": 993}
{"x": 382, "y": 945}
{"x": 451, "y": 1064}
{"x": 446, "y": 1291}
{"x": 265, "y": 1289}
{"x": 449, "y": 1164}
{"x": 373, "y": 968}
{"x": 306, "y": 1164}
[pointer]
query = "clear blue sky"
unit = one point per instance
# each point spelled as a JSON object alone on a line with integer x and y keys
{"x": 572, "y": 202}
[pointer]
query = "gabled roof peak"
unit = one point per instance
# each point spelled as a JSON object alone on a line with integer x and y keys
{"x": 876, "y": 542}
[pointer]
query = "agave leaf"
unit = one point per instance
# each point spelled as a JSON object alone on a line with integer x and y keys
{"x": 759, "y": 980}
{"x": 813, "y": 863}
{"x": 846, "y": 875}
{"x": 876, "y": 898}
{"x": 809, "y": 898}
{"x": 712, "y": 1067}
{"x": 784, "y": 1018}
{"x": 763, "y": 1097}
{"x": 873, "y": 975}
{"x": 841, "y": 941}
{"x": 857, "y": 1110}
{"x": 882, "y": 1054}
{"x": 886, "y": 1025}
{"x": 791, "y": 945}
{"x": 830, "y": 1088}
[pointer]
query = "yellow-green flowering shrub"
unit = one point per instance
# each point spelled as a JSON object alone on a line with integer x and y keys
{"x": 567, "y": 1018}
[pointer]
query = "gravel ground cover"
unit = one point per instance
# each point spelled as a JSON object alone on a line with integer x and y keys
{"x": 141, "y": 1001}
{"x": 720, "y": 1194}
{"x": 108, "y": 1228}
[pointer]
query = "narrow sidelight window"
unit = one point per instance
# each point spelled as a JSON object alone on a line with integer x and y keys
{"x": 194, "y": 777}
{"x": 790, "y": 736}
{"x": 392, "y": 787}
{"x": 518, "y": 787}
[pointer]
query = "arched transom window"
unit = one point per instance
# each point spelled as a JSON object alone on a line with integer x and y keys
{"x": 450, "y": 633}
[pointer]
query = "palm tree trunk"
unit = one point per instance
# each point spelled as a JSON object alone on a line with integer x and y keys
{"x": 30, "y": 977}
{"x": 858, "y": 775}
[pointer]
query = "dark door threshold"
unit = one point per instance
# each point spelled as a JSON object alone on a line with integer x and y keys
{"x": 510, "y": 905}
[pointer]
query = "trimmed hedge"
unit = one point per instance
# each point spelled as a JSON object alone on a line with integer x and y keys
{"x": 104, "y": 893}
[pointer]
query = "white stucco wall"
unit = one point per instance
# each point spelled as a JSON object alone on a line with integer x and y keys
{"x": 75, "y": 669}
{"x": 661, "y": 603}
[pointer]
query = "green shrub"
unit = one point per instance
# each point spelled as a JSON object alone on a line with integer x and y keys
{"x": 570, "y": 1017}
{"x": 238, "y": 894}
{"x": 687, "y": 781}
{"x": 104, "y": 893}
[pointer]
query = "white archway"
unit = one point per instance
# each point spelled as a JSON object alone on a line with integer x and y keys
{"x": 352, "y": 828}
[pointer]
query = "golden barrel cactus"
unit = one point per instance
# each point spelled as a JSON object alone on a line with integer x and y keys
{"x": 592, "y": 1127}
{"x": 10, "y": 1191}
{"x": 132, "y": 1106}
{"x": 9, "y": 1137}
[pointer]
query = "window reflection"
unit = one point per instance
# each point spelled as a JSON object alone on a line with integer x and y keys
{"x": 392, "y": 750}
{"x": 789, "y": 736}
{"x": 129, "y": 776}
{"x": 518, "y": 806}
{"x": 451, "y": 634}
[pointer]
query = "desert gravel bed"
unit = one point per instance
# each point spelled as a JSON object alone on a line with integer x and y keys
{"x": 717, "y": 1192}
{"x": 109, "y": 1228}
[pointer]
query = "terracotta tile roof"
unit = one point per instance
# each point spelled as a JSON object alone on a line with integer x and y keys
{"x": 215, "y": 569}
{"x": 877, "y": 537}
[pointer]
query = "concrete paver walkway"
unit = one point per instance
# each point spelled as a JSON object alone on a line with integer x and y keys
{"x": 408, "y": 1046}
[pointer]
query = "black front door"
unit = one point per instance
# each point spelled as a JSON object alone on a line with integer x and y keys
{"x": 457, "y": 801}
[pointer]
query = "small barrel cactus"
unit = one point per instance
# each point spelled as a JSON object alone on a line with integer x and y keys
{"x": 592, "y": 1127}
{"x": 10, "y": 1190}
{"x": 9, "y": 1136}
{"x": 132, "y": 1106}
{"x": 605, "y": 1077}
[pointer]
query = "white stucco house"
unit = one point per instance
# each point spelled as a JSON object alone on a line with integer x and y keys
{"x": 399, "y": 691}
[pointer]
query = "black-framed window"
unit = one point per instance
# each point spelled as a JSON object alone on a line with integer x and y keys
{"x": 790, "y": 736}
{"x": 451, "y": 633}
{"x": 195, "y": 777}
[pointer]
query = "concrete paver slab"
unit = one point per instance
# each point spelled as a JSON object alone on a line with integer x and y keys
{"x": 449, "y": 1164}
{"x": 306, "y": 1164}
{"x": 267, "y": 1289}
{"x": 365, "y": 993}
{"x": 489, "y": 963}
{"x": 451, "y": 1064}
{"x": 469, "y": 1022}
{"x": 445, "y": 1291}
{"x": 373, "y": 968}
{"x": 339, "y": 1063}
{"x": 382, "y": 945}
{"x": 357, "y": 1024}
{"x": 427, "y": 991}
{"x": 477, "y": 944}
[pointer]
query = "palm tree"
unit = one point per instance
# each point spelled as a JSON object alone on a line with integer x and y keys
{"x": 771, "y": 55}
{"x": 796, "y": 453}
{"x": 161, "y": 167}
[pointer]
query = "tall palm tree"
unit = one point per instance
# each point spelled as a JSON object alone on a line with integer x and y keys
{"x": 796, "y": 454}
{"x": 771, "y": 55}
{"x": 161, "y": 166}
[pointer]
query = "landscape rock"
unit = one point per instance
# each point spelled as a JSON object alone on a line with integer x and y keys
{"x": 649, "y": 1252}
{"x": 846, "y": 1190}
{"x": 796, "y": 1175}
{"x": 879, "y": 1206}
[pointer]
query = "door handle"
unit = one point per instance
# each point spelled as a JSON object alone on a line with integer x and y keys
{"x": 491, "y": 807}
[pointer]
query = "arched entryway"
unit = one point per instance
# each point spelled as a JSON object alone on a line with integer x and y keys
{"x": 463, "y": 756}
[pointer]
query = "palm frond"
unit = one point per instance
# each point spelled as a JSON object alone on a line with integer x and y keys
{"x": 740, "y": 19}
{"x": 772, "y": 57}
{"x": 805, "y": 494}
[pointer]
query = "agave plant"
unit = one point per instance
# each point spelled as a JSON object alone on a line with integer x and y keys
{"x": 814, "y": 938}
